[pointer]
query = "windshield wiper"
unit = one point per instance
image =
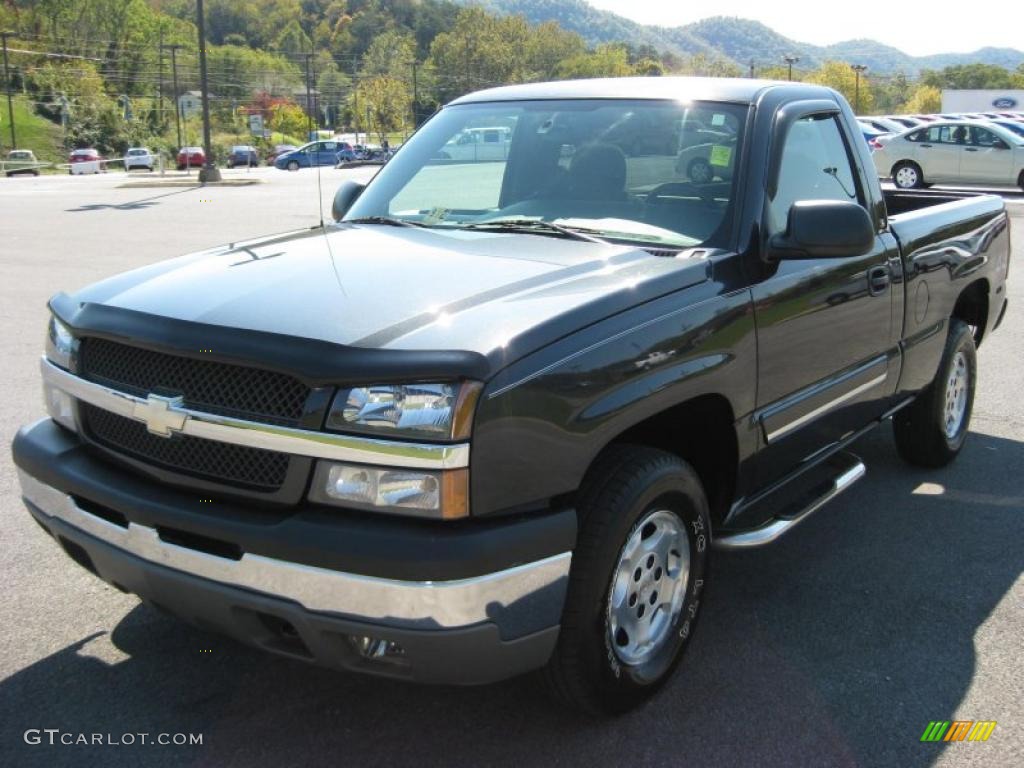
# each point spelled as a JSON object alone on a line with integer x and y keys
{"x": 385, "y": 220}
{"x": 537, "y": 226}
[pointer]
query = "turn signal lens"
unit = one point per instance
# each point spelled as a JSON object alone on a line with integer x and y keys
{"x": 440, "y": 495}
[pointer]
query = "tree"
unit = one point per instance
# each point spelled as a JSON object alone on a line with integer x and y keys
{"x": 926, "y": 100}
{"x": 840, "y": 76}
{"x": 332, "y": 85}
{"x": 604, "y": 61}
{"x": 385, "y": 101}
{"x": 389, "y": 54}
{"x": 293, "y": 40}
{"x": 289, "y": 119}
{"x": 969, "y": 76}
{"x": 546, "y": 46}
{"x": 710, "y": 66}
{"x": 480, "y": 51}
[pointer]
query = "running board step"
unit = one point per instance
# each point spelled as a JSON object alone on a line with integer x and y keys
{"x": 849, "y": 469}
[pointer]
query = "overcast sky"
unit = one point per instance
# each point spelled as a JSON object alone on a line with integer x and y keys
{"x": 916, "y": 28}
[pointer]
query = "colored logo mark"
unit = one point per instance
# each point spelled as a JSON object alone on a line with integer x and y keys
{"x": 958, "y": 730}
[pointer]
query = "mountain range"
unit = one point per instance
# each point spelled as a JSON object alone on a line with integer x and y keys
{"x": 738, "y": 40}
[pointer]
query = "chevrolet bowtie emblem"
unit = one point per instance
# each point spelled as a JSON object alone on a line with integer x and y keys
{"x": 161, "y": 414}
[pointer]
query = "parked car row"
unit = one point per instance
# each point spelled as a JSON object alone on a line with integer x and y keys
{"x": 950, "y": 149}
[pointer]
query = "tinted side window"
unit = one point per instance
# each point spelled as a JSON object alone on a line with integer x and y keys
{"x": 918, "y": 136}
{"x": 984, "y": 138}
{"x": 815, "y": 166}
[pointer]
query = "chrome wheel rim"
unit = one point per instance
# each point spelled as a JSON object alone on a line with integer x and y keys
{"x": 700, "y": 172}
{"x": 906, "y": 177}
{"x": 648, "y": 587}
{"x": 956, "y": 395}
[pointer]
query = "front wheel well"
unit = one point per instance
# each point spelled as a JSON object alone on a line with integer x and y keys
{"x": 972, "y": 308}
{"x": 702, "y": 432}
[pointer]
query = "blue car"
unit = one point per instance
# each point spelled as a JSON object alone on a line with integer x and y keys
{"x": 311, "y": 155}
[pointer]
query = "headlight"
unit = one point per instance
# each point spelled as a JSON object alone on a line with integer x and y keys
{"x": 432, "y": 411}
{"x": 60, "y": 344}
{"x": 441, "y": 495}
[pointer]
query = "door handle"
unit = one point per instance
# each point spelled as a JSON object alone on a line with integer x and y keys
{"x": 926, "y": 146}
{"x": 972, "y": 149}
{"x": 878, "y": 280}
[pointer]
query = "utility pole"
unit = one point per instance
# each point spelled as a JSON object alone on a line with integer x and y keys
{"x": 857, "y": 69}
{"x": 309, "y": 100}
{"x": 209, "y": 171}
{"x": 415, "y": 97}
{"x": 177, "y": 96}
{"x": 7, "y": 85}
{"x": 791, "y": 60}
{"x": 355, "y": 96}
{"x": 751, "y": 68}
{"x": 159, "y": 122}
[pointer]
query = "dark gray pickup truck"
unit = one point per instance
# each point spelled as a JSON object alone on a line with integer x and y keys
{"x": 493, "y": 418}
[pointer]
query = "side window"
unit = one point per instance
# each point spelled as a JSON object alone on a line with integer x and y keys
{"x": 984, "y": 138}
{"x": 815, "y": 166}
{"x": 918, "y": 136}
{"x": 953, "y": 134}
{"x": 329, "y": 146}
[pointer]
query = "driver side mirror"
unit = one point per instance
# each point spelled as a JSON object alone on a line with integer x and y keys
{"x": 824, "y": 229}
{"x": 346, "y": 195}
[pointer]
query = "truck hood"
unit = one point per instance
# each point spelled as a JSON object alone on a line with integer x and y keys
{"x": 384, "y": 287}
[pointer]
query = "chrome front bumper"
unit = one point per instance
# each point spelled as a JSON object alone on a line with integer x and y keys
{"x": 536, "y": 588}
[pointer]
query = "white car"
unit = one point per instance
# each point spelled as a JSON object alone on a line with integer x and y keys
{"x": 478, "y": 145}
{"x": 139, "y": 157}
{"x": 952, "y": 152}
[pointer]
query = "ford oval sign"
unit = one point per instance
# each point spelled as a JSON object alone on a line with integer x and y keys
{"x": 1004, "y": 103}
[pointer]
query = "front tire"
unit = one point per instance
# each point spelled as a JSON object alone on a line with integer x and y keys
{"x": 907, "y": 175}
{"x": 293, "y": 165}
{"x": 931, "y": 431}
{"x": 637, "y": 577}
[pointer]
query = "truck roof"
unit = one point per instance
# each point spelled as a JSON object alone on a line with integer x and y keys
{"x": 736, "y": 90}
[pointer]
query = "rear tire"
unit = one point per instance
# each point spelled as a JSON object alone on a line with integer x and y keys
{"x": 907, "y": 175}
{"x": 699, "y": 171}
{"x": 931, "y": 431}
{"x": 642, "y": 513}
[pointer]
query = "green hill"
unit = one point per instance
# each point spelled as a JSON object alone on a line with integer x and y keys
{"x": 737, "y": 39}
{"x": 32, "y": 132}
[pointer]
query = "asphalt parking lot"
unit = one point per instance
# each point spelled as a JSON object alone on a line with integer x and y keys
{"x": 900, "y": 603}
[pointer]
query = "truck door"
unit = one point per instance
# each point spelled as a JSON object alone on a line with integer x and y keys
{"x": 824, "y": 326}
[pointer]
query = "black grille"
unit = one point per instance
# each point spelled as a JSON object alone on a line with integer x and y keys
{"x": 221, "y": 462}
{"x": 205, "y": 385}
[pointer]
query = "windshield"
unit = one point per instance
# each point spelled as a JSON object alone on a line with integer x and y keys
{"x": 657, "y": 172}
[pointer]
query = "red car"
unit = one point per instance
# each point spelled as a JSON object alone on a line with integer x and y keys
{"x": 85, "y": 161}
{"x": 191, "y": 157}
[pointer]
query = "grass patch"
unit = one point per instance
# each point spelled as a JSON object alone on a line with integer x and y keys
{"x": 32, "y": 132}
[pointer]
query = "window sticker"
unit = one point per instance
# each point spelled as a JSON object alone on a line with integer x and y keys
{"x": 720, "y": 155}
{"x": 718, "y": 119}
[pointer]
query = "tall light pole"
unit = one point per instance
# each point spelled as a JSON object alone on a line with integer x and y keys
{"x": 857, "y": 69}
{"x": 209, "y": 171}
{"x": 7, "y": 85}
{"x": 791, "y": 60}
{"x": 177, "y": 96}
